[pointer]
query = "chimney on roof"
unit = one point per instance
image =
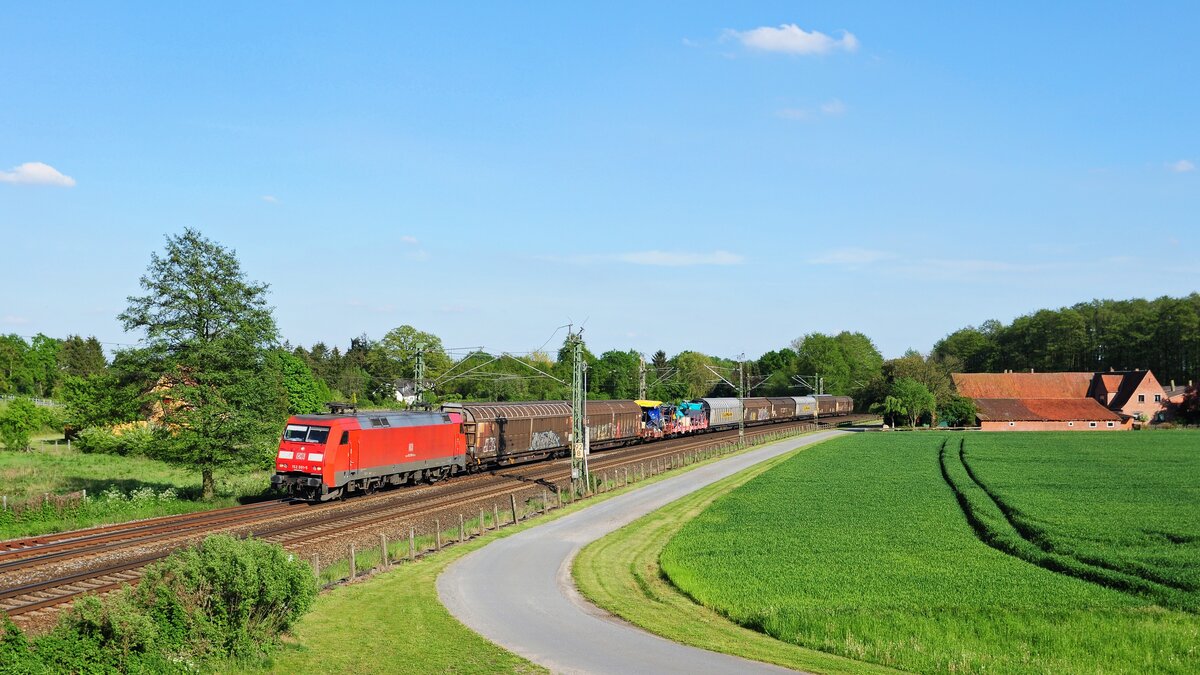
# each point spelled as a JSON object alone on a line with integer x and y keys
{"x": 1031, "y": 370}
{"x": 1172, "y": 384}
{"x": 1111, "y": 369}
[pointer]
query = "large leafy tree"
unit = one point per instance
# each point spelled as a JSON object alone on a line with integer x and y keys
{"x": 15, "y": 378}
{"x": 305, "y": 393}
{"x": 846, "y": 362}
{"x": 692, "y": 371}
{"x": 207, "y": 330}
{"x": 616, "y": 374}
{"x": 915, "y": 401}
{"x": 401, "y": 346}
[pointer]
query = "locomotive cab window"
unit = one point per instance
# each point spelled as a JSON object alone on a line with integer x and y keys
{"x": 345, "y": 438}
{"x": 299, "y": 433}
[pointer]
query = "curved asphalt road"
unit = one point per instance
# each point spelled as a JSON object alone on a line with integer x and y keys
{"x": 518, "y": 591}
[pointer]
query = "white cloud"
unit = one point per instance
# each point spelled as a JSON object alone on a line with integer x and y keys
{"x": 653, "y": 258}
{"x": 797, "y": 114}
{"x": 789, "y": 38}
{"x": 851, "y": 256}
{"x": 36, "y": 173}
{"x": 270, "y": 199}
{"x": 680, "y": 258}
{"x": 830, "y": 108}
{"x": 416, "y": 253}
{"x": 833, "y": 107}
{"x": 1182, "y": 166}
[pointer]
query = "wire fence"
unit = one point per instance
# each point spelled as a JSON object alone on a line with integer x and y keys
{"x": 44, "y": 402}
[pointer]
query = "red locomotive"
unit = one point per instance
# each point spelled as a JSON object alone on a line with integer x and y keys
{"x": 323, "y": 456}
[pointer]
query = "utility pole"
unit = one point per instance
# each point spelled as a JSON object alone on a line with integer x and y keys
{"x": 641, "y": 377}
{"x": 579, "y": 468}
{"x": 740, "y": 387}
{"x": 741, "y": 397}
{"x": 419, "y": 385}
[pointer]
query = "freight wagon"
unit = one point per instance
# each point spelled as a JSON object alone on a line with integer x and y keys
{"x": 504, "y": 433}
{"x": 829, "y": 406}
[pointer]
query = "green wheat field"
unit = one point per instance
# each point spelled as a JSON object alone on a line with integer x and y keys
{"x": 1032, "y": 552}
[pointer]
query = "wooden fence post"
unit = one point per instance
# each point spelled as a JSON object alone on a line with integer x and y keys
{"x": 462, "y": 529}
{"x": 385, "y": 557}
{"x": 353, "y": 562}
{"x": 627, "y": 475}
{"x": 512, "y": 497}
{"x": 545, "y": 502}
{"x": 481, "y": 522}
{"x": 317, "y": 566}
{"x": 495, "y": 516}
{"x": 558, "y": 494}
{"x": 437, "y": 525}
{"x": 412, "y": 544}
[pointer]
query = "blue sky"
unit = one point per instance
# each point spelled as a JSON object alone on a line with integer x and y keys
{"x": 722, "y": 179}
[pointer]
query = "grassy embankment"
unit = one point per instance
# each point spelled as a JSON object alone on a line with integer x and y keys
{"x": 395, "y": 621}
{"x": 119, "y": 488}
{"x": 860, "y": 548}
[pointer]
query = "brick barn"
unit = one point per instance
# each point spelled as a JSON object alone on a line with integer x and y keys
{"x": 1063, "y": 401}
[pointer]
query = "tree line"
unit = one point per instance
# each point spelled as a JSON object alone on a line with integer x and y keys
{"x": 1162, "y": 335}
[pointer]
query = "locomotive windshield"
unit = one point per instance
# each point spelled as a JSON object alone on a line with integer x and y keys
{"x": 299, "y": 433}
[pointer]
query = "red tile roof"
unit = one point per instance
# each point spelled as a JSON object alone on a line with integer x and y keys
{"x": 1111, "y": 381}
{"x": 1023, "y": 385}
{"x": 1043, "y": 410}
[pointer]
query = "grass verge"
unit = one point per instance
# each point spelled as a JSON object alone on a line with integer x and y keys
{"x": 136, "y": 487}
{"x": 393, "y": 622}
{"x": 620, "y": 573}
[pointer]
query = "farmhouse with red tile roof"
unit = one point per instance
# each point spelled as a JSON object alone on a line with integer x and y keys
{"x": 1062, "y": 401}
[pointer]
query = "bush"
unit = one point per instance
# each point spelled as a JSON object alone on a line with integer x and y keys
{"x": 17, "y": 422}
{"x": 129, "y": 439}
{"x": 226, "y": 598}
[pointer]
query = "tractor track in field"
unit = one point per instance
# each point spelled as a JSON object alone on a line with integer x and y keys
{"x": 40, "y": 576}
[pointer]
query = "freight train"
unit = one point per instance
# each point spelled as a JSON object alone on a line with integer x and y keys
{"x": 324, "y": 457}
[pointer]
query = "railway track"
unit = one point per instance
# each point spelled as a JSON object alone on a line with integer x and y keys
{"x": 272, "y": 521}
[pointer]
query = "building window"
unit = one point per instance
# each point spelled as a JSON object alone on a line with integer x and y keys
{"x": 1092, "y": 424}
{"x": 1158, "y": 398}
{"x": 1141, "y": 398}
{"x": 1112, "y": 424}
{"x": 1012, "y": 424}
{"x": 1070, "y": 424}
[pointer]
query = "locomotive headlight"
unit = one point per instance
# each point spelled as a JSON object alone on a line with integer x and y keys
{"x": 286, "y": 454}
{"x": 316, "y": 456}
